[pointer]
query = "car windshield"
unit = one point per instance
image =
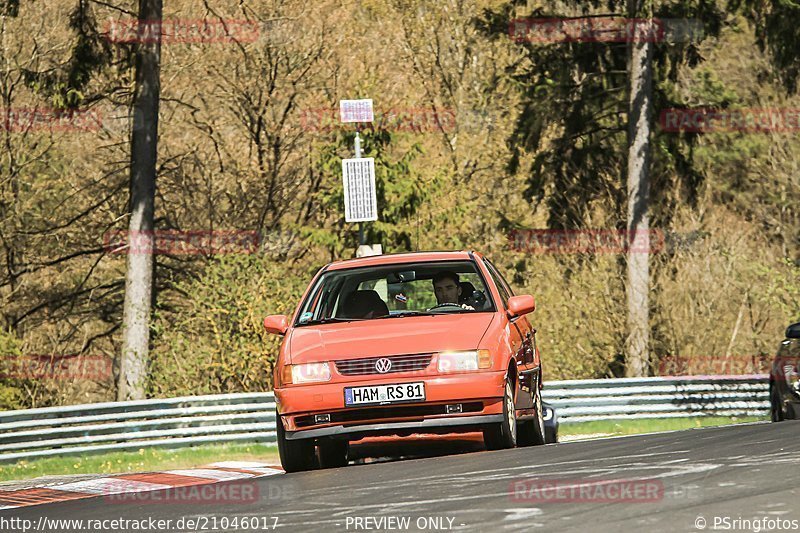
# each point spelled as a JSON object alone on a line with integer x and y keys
{"x": 396, "y": 291}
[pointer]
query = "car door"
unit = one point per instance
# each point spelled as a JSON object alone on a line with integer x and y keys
{"x": 523, "y": 344}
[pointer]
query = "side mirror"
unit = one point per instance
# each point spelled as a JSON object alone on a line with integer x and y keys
{"x": 521, "y": 305}
{"x": 276, "y": 324}
{"x": 793, "y": 331}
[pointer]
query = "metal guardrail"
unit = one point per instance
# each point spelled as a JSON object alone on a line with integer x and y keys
{"x": 250, "y": 417}
{"x": 125, "y": 426}
{"x": 661, "y": 397}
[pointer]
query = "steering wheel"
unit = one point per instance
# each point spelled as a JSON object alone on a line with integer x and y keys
{"x": 447, "y": 304}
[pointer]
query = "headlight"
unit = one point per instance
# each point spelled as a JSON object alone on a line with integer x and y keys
{"x": 464, "y": 361}
{"x": 310, "y": 373}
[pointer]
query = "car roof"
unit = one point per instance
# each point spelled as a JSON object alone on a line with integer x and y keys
{"x": 393, "y": 259}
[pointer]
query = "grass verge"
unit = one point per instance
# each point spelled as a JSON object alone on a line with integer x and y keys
{"x": 143, "y": 460}
{"x": 649, "y": 425}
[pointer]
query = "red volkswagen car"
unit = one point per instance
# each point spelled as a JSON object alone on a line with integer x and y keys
{"x": 404, "y": 344}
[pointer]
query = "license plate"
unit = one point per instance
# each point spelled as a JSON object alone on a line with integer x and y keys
{"x": 383, "y": 394}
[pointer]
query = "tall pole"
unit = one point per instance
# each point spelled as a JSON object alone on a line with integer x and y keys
{"x": 362, "y": 198}
{"x": 361, "y": 237}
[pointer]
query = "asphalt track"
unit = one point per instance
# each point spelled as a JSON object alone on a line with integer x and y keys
{"x": 737, "y": 478}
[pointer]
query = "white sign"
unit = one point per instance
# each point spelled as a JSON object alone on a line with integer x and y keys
{"x": 356, "y": 110}
{"x": 366, "y": 250}
{"x": 360, "y": 200}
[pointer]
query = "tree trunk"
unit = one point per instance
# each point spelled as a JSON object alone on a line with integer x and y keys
{"x": 637, "y": 362}
{"x": 132, "y": 377}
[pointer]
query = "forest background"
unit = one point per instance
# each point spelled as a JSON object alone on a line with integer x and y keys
{"x": 477, "y": 134}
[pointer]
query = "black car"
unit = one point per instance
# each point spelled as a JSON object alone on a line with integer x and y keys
{"x": 784, "y": 378}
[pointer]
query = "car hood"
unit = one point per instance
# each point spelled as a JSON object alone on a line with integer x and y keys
{"x": 390, "y": 336}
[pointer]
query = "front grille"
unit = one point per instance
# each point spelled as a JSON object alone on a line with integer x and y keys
{"x": 400, "y": 363}
{"x": 362, "y": 414}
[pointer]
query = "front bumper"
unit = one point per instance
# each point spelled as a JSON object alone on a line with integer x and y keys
{"x": 479, "y": 392}
{"x": 431, "y": 425}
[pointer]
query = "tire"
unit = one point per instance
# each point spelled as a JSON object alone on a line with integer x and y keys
{"x": 503, "y": 435}
{"x": 776, "y": 411}
{"x": 532, "y": 432}
{"x": 332, "y": 453}
{"x": 296, "y": 455}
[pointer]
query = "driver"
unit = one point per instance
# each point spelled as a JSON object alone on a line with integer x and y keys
{"x": 447, "y": 287}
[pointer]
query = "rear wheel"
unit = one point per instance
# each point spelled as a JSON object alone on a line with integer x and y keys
{"x": 332, "y": 453}
{"x": 296, "y": 455}
{"x": 504, "y": 434}
{"x": 532, "y": 432}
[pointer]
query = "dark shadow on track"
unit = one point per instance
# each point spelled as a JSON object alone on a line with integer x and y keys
{"x": 413, "y": 447}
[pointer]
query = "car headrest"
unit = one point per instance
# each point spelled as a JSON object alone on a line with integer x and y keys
{"x": 363, "y": 304}
{"x": 467, "y": 289}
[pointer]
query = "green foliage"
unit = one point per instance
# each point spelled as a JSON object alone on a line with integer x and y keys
{"x": 580, "y": 312}
{"x": 574, "y": 115}
{"x": 399, "y": 193}
{"x": 9, "y": 8}
{"x": 234, "y": 153}
{"x": 778, "y": 33}
{"x": 11, "y": 396}
{"x": 214, "y": 340}
{"x": 91, "y": 52}
{"x": 781, "y": 289}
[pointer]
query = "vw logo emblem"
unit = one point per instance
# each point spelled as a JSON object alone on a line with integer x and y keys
{"x": 383, "y": 365}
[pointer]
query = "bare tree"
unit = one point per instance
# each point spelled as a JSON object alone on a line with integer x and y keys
{"x": 640, "y": 103}
{"x": 144, "y": 148}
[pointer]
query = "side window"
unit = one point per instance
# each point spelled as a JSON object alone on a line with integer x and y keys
{"x": 507, "y": 284}
{"x": 502, "y": 286}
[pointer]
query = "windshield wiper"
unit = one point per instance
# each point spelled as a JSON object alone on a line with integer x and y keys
{"x": 419, "y": 313}
{"x": 411, "y": 313}
{"x": 329, "y": 320}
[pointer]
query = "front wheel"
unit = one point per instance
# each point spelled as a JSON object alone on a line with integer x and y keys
{"x": 532, "y": 432}
{"x": 332, "y": 454}
{"x": 776, "y": 411}
{"x": 503, "y": 435}
{"x": 296, "y": 455}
